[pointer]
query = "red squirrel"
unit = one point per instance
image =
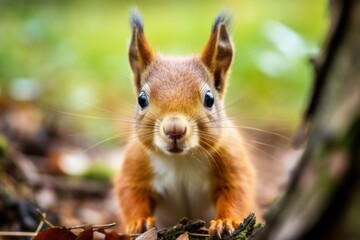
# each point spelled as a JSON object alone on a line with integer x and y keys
{"x": 187, "y": 159}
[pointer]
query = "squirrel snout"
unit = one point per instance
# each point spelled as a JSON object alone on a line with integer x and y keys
{"x": 174, "y": 128}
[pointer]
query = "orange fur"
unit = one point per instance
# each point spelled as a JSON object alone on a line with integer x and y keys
{"x": 233, "y": 186}
{"x": 157, "y": 165}
{"x": 133, "y": 185}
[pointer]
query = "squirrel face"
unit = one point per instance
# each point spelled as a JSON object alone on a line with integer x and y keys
{"x": 178, "y": 109}
{"x": 180, "y": 106}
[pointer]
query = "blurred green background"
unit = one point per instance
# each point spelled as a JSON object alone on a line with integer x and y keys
{"x": 71, "y": 56}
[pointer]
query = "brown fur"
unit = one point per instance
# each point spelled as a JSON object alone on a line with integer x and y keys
{"x": 176, "y": 88}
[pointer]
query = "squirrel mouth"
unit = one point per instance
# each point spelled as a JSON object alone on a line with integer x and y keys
{"x": 173, "y": 147}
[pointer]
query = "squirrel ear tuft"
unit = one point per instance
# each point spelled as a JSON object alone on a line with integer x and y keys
{"x": 140, "y": 52}
{"x": 136, "y": 20}
{"x": 218, "y": 52}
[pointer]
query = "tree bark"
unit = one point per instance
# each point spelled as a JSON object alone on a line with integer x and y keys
{"x": 323, "y": 198}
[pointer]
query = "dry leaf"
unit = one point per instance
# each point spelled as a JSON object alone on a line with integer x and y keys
{"x": 99, "y": 236}
{"x": 55, "y": 234}
{"x": 148, "y": 235}
{"x": 184, "y": 236}
{"x": 87, "y": 234}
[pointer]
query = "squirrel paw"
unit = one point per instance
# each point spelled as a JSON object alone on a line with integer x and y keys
{"x": 222, "y": 228}
{"x": 140, "y": 225}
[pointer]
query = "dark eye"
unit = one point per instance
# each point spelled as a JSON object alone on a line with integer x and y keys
{"x": 142, "y": 100}
{"x": 208, "y": 100}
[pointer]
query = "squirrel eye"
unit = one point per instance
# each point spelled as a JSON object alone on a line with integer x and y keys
{"x": 142, "y": 100}
{"x": 208, "y": 100}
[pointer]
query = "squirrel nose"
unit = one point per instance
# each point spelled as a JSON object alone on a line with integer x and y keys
{"x": 174, "y": 128}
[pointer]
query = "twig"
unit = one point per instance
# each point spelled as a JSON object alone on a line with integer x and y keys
{"x": 199, "y": 234}
{"x": 104, "y": 226}
{"x": 18, "y": 234}
{"x": 41, "y": 224}
{"x": 43, "y": 218}
{"x": 131, "y": 234}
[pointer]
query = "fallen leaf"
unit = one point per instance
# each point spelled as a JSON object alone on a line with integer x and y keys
{"x": 99, "y": 236}
{"x": 87, "y": 234}
{"x": 55, "y": 234}
{"x": 148, "y": 235}
{"x": 184, "y": 236}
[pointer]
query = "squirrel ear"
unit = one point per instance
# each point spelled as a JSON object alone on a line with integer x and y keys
{"x": 140, "y": 52}
{"x": 218, "y": 52}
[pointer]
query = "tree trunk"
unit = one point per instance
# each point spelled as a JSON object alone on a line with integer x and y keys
{"x": 323, "y": 198}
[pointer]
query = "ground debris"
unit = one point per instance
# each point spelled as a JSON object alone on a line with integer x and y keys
{"x": 248, "y": 229}
{"x": 196, "y": 230}
{"x": 185, "y": 225}
{"x": 184, "y": 230}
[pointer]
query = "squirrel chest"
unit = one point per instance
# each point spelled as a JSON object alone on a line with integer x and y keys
{"x": 182, "y": 187}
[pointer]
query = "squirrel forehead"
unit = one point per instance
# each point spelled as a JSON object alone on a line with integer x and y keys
{"x": 185, "y": 75}
{"x": 175, "y": 84}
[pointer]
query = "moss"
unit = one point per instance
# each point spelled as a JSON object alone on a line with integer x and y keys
{"x": 98, "y": 171}
{"x": 3, "y": 146}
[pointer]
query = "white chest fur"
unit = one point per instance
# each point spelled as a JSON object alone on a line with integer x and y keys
{"x": 182, "y": 185}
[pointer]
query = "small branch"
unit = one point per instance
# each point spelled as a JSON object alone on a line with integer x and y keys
{"x": 41, "y": 224}
{"x": 131, "y": 234}
{"x": 199, "y": 234}
{"x": 18, "y": 234}
{"x": 42, "y": 217}
{"x": 104, "y": 226}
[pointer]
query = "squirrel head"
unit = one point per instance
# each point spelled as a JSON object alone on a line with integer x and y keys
{"x": 180, "y": 99}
